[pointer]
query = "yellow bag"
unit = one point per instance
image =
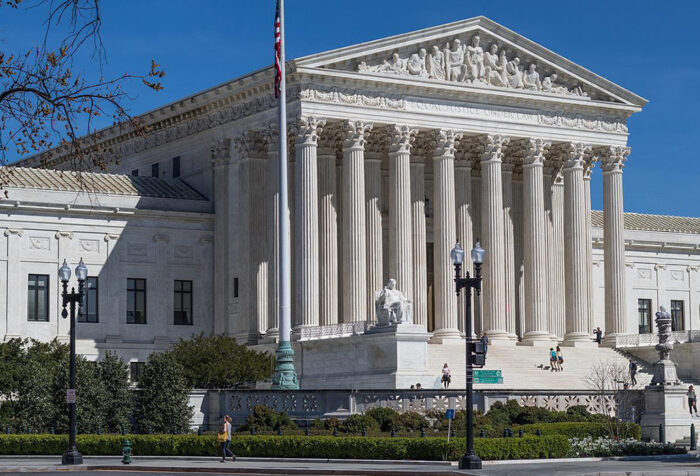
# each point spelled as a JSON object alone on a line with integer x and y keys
{"x": 221, "y": 437}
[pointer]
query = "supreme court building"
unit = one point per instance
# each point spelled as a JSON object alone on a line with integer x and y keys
{"x": 398, "y": 148}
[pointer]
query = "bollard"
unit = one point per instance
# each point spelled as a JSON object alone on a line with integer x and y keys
{"x": 199, "y": 431}
{"x": 520, "y": 433}
{"x": 174, "y": 430}
{"x": 453, "y": 433}
{"x": 662, "y": 434}
{"x": 335, "y": 430}
{"x": 538, "y": 432}
{"x": 52, "y": 430}
{"x": 29, "y": 430}
{"x": 482, "y": 433}
{"x": 422, "y": 431}
{"x": 8, "y": 430}
{"x": 307, "y": 431}
{"x": 252, "y": 430}
{"x": 364, "y": 431}
{"x": 693, "y": 438}
{"x": 123, "y": 431}
{"x": 99, "y": 430}
{"x": 150, "y": 430}
{"x": 393, "y": 431}
{"x": 279, "y": 431}
{"x": 126, "y": 452}
{"x": 505, "y": 432}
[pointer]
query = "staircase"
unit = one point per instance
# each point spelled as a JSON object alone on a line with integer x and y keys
{"x": 528, "y": 368}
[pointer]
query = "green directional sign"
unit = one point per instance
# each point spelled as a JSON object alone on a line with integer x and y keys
{"x": 488, "y": 376}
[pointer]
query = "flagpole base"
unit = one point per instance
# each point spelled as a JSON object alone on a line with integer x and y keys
{"x": 285, "y": 377}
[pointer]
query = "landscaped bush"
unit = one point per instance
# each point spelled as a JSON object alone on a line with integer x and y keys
{"x": 266, "y": 419}
{"x": 384, "y": 416}
{"x": 355, "y": 424}
{"x": 580, "y": 429}
{"x": 351, "y": 447}
{"x": 410, "y": 421}
{"x": 583, "y": 447}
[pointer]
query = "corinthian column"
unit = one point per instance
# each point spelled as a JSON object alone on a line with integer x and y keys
{"x": 354, "y": 235}
{"x": 575, "y": 245}
{"x": 588, "y": 169}
{"x": 419, "y": 242}
{"x": 558, "y": 302}
{"x": 463, "y": 196}
{"x": 401, "y": 244}
{"x": 509, "y": 248}
{"x": 306, "y": 201}
{"x": 271, "y": 135}
{"x": 534, "y": 234}
{"x": 374, "y": 152}
{"x": 444, "y": 234}
{"x": 328, "y": 231}
{"x": 612, "y": 162}
{"x": 494, "y": 293}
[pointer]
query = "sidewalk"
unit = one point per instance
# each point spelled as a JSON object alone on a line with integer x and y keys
{"x": 685, "y": 465}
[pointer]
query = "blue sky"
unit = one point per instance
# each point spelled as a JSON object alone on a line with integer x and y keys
{"x": 648, "y": 47}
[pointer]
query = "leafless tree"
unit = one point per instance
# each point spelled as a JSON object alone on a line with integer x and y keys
{"x": 46, "y": 104}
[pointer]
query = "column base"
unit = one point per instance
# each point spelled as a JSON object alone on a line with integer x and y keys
{"x": 610, "y": 340}
{"x": 578, "y": 339}
{"x": 537, "y": 338}
{"x": 441, "y": 335}
{"x": 513, "y": 337}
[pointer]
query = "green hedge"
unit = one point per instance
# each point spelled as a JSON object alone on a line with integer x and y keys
{"x": 350, "y": 447}
{"x": 582, "y": 429}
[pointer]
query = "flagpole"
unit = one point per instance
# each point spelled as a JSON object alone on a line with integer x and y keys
{"x": 285, "y": 376}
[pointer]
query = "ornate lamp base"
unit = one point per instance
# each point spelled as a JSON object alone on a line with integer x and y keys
{"x": 72, "y": 456}
{"x": 470, "y": 462}
{"x": 285, "y": 378}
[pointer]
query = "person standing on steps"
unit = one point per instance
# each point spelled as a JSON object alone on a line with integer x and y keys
{"x": 598, "y": 335}
{"x": 446, "y": 378}
{"x": 552, "y": 360}
{"x": 692, "y": 401}
{"x": 560, "y": 359}
{"x": 633, "y": 372}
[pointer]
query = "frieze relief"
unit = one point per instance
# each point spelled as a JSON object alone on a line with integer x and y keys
{"x": 40, "y": 243}
{"x": 90, "y": 246}
{"x": 472, "y": 62}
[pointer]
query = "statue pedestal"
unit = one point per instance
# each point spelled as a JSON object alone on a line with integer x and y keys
{"x": 386, "y": 357}
{"x": 666, "y": 405}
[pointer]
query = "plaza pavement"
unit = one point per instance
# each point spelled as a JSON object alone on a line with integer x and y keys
{"x": 676, "y": 465}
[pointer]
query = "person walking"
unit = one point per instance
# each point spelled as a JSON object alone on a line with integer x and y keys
{"x": 633, "y": 372}
{"x": 560, "y": 359}
{"x": 552, "y": 360}
{"x": 598, "y": 335}
{"x": 692, "y": 401}
{"x": 446, "y": 377}
{"x": 226, "y": 432}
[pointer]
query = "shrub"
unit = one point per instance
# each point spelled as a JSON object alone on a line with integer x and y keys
{"x": 350, "y": 447}
{"x": 384, "y": 416}
{"x": 410, "y": 421}
{"x": 267, "y": 419}
{"x": 355, "y": 424}
{"x": 600, "y": 447}
{"x": 579, "y": 429}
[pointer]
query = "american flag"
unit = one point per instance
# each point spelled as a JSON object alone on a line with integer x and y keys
{"x": 278, "y": 45}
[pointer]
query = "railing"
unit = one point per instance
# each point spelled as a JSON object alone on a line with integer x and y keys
{"x": 332, "y": 331}
{"x": 649, "y": 340}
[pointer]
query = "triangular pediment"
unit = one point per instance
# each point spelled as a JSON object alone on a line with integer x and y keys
{"x": 477, "y": 53}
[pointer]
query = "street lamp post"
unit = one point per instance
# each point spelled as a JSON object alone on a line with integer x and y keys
{"x": 72, "y": 455}
{"x": 470, "y": 460}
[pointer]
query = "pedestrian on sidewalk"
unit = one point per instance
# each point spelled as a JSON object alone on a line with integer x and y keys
{"x": 446, "y": 377}
{"x": 598, "y": 335}
{"x": 552, "y": 360}
{"x": 226, "y": 429}
{"x": 560, "y": 359}
{"x": 633, "y": 372}
{"x": 692, "y": 401}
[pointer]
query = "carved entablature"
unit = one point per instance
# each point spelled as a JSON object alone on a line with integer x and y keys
{"x": 476, "y": 59}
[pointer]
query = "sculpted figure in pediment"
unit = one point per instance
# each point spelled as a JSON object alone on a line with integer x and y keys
{"x": 494, "y": 67}
{"x": 549, "y": 85}
{"x": 514, "y": 73}
{"x": 456, "y": 70}
{"x": 531, "y": 79}
{"x": 416, "y": 64}
{"x": 475, "y": 54}
{"x": 436, "y": 63}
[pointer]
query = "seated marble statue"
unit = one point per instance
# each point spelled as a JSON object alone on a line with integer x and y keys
{"x": 392, "y": 306}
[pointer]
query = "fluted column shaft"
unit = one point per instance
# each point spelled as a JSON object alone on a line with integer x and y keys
{"x": 260, "y": 245}
{"x": 444, "y": 235}
{"x": 558, "y": 304}
{"x": 548, "y": 237}
{"x": 328, "y": 237}
{"x": 401, "y": 243}
{"x": 494, "y": 292}
{"x": 419, "y": 242}
{"x": 517, "y": 210}
{"x": 589, "y": 240}
{"x": 576, "y": 248}
{"x": 509, "y": 251}
{"x": 536, "y": 324}
{"x": 273, "y": 311}
{"x": 354, "y": 232}
{"x": 613, "y": 159}
{"x": 373, "y": 214}
{"x": 463, "y": 192}
{"x": 306, "y": 202}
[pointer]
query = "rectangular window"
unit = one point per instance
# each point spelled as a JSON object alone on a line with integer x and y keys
{"x": 155, "y": 170}
{"x": 235, "y": 287}
{"x": 644, "y": 311}
{"x": 176, "y": 167}
{"x": 135, "y": 369}
{"x": 38, "y": 297}
{"x": 677, "y": 315}
{"x": 90, "y": 301}
{"x": 183, "y": 303}
{"x": 135, "y": 301}
{"x": 135, "y": 172}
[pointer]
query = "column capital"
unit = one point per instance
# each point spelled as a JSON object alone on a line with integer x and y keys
{"x": 486, "y": 147}
{"x": 308, "y": 129}
{"x": 220, "y": 152}
{"x": 571, "y": 154}
{"x": 531, "y": 150}
{"x": 356, "y": 134}
{"x": 444, "y": 142}
{"x": 250, "y": 144}
{"x": 271, "y": 136}
{"x": 612, "y": 158}
{"x": 401, "y": 139}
